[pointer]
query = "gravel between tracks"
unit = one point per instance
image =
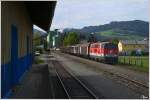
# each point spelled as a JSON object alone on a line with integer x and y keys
{"x": 97, "y": 78}
{"x": 131, "y": 74}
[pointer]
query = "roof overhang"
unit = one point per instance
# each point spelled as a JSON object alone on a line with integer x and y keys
{"x": 41, "y": 12}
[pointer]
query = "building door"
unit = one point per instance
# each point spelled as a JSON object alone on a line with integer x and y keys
{"x": 28, "y": 56}
{"x": 14, "y": 54}
{"x": 27, "y": 45}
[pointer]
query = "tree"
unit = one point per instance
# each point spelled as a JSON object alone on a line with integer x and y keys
{"x": 115, "y": 41}
{"x": 133, "y": 53}
{"x": 45, "y": 44}
{"x": 91, "y": 38}
{"x": 71, "y": 39}
{"x": 37, "y": 39}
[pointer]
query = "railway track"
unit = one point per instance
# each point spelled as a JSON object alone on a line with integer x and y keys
{"x": 131, "y": 83}
{"x": 72, "y": 86}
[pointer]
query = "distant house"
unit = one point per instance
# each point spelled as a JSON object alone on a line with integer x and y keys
{"x": 127, "y": 46}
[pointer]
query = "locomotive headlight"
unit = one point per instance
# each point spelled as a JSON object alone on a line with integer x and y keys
{"x": 107, "y": 55}
{"x": 115, "y": 55}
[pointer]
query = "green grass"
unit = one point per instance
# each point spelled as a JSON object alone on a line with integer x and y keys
{"x": 109, "y": 33}
{"x": 113, "y": 34}
{"x": 38, "y": 61}
{"x": 140, "y": 63}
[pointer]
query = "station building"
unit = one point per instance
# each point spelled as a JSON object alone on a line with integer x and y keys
{"x": 17, "y": 19}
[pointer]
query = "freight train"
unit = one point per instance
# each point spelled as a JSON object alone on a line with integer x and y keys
{"x": 105, "y": 52}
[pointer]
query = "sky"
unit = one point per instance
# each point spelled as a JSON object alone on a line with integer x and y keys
{"x": 80, "y": 13}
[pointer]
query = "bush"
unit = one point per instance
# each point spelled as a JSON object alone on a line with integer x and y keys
{"x": 38, "y": 61}
{"x": 133, "y": 53}
{"x": 71, "y": 39}
{"x": 145, "y": 53}
{"x": 39, "y": 49}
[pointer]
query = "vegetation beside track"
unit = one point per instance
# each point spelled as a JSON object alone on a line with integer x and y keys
{"x": 140, "y": 63}
{"x": 37, "y": 60}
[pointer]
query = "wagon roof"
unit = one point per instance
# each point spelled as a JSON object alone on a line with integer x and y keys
{"x": 101, "y": 42}
{"x": 84, "y": 44}
{"x": 77, "y": 44}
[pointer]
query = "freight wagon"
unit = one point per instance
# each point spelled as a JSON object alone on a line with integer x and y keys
{"x": 84, "y": 50}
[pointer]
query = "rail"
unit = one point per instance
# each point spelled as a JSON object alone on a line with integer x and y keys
{"x": 73, "y": 86}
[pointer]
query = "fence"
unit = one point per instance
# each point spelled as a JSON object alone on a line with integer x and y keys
{"x": 142, "y": 61}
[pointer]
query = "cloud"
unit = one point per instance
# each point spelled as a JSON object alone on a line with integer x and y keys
{"x": 80, "y": 13}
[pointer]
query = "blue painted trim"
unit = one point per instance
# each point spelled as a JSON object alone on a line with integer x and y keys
{"x": 23, "y": 64}
{"x": 14, "y": 53}
{"x": 22, "y": 77}
{"x": 5, "y": 79}
{"x": 8, "y": 94}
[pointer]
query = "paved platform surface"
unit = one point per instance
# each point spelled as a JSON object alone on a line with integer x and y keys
{"x": 35, "y": 84}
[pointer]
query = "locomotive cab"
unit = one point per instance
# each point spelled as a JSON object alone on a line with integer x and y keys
{"x": 104, "y": 52}
{"x": 110, "y": 53}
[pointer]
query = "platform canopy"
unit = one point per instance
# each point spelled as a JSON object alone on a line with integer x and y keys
{"x": 41, "y": 12}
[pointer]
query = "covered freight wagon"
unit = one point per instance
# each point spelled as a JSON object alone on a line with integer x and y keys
{"x": 84, "y": 50}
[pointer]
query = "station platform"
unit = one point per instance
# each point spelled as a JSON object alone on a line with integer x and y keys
{"x": 35, "y": 84}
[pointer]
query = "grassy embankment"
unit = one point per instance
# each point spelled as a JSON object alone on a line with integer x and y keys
{"x": 37, "y": 60}
{"x": 113, "y": 34}
{"x": 140, "y": 63}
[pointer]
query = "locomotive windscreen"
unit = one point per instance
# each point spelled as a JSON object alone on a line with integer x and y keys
{"x": 110, "y": 49}
{"x": 110, "y": 46}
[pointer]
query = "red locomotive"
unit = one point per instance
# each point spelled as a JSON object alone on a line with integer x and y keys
{"x": 104, "y": 52}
